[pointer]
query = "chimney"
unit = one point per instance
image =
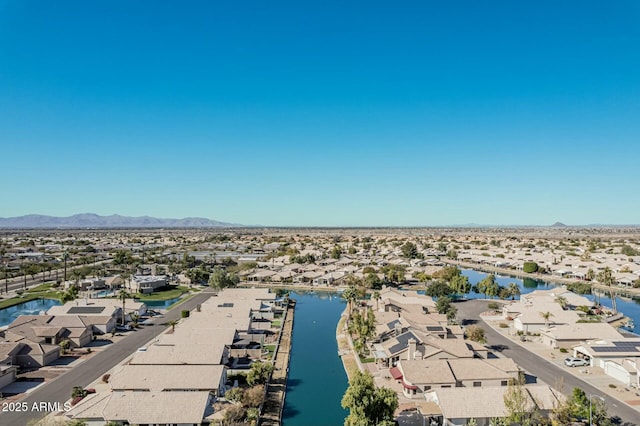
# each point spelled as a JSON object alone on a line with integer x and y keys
{"x": 412, "y": 349}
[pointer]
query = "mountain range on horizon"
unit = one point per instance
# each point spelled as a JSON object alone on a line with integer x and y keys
{"x": 92, "y": 220}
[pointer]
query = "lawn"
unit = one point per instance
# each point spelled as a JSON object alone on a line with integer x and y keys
{"x": 167, "y": 294}
{"x": 41, "y": 287}
{"x": 28, "y": 297}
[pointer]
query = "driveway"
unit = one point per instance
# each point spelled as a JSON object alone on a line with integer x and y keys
{"x": 59, "y": 390}
{"x": 469, "y": 313}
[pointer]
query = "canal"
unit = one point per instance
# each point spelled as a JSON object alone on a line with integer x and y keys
{"x": 627, "y": 305}
{"x": 317, "y": 379}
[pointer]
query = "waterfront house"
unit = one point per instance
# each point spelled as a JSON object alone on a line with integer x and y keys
{"x": 170, "y": 378}
{"x": 132, "y": 407}
{"x": 486, "y": 403}
{"x": 146, "y": 283}
{"x": 419, "y": 376}
{"x": 568, "y": 335}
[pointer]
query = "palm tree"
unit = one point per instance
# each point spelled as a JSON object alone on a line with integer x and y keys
{"x": 562, "y": 301}
{"x": 173, "y": 324}
{"x": 123, "y": 296}
{"x": 546, "y": 316}
{"x": 376, "y": 297}
{"x": 606, "y": 278}
{"x": 351, "y": 296}
{"x": 514, "y": 290}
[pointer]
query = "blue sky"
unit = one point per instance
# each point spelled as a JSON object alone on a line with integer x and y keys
{"x": 321, "y": 113}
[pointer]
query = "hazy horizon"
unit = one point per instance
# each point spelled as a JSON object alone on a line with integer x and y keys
{"x": 294, "y": 114}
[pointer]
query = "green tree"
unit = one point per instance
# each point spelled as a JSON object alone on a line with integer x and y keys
{"x": 259, "y": 373}
{"x": 368, "y": 405}
{"x": 409, "y": 250}
{"x": 394, "y": 273}
{"x": 336, "y": 252}
{"x": 447, "y": 273}
{"x": 529, "y": 267}
{"x": 488, "y": 286}
{"x": 363, "y": 325}
{"x": 122, "y": 257}
{"x": 173, "y": 324}
{"x": 438, "y": 289}
{"x": 460, "y": 284}
{"x": 373, "y": 281}
{"x": 220, "y": 279}
{"x": 444, "y": 306}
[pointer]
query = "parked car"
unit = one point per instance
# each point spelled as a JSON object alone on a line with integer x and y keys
{"x": 576, "y": 362}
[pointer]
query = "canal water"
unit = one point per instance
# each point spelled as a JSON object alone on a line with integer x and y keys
{"x": 317, "y": 379}
{"x": 32, "y": 307}
{"x": 161, "y": 304}
{"x": 627, "y": 305}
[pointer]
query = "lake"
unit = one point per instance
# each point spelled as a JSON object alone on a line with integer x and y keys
{"x": 317, "y": 379}
{"x": 628, "y": 306}
{"x": 32, "y": 307}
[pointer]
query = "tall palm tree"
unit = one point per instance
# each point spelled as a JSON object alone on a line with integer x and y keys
{"x": 606, "y": 278}
{"x": 376, "y": 297}
{"x": 123, "y": 296}
{"x": 514, "y": 290}
{"x": 351, "y": 296}
{"x": 546, "y": 316}
{"x": 173, "y": 324}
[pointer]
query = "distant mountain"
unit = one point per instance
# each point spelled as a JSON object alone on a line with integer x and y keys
{"x": 91, "y": 220}
{"x": 558, "y": 225}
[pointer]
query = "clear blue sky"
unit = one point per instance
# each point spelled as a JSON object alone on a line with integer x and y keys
{"x": 322, "y": 113}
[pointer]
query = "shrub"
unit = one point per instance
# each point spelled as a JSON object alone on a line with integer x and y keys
{"x": 105, "y": 378}
{"x": 184, "y": 313}
{"x": 612, "y": 386}
{"x": 234, "y": 394}
{"x": 504, "y": 325}
{"x": 254, "y": 396}
{"x": 493, "y": 305}
{"x": 530, "y": 267}
{"x": 564, "y": 350}
{"x": 77, "y": 391}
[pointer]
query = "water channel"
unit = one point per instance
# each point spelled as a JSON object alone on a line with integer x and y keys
{"x": 317, "y": 379}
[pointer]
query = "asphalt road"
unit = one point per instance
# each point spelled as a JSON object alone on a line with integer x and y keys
{"x": 59, "y": 390}
{"x": 17, "y": 283}
{"x": 541, "y": 368}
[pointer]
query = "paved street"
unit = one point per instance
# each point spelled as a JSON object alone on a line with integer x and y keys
{"x": 59, "y": 390}
{"x": 541, "y": 368}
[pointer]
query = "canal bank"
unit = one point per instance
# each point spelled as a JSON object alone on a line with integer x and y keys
{"x": 277, "y": 389}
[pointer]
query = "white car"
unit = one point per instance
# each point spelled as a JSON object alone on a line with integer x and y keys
{"x": 576, "y": 362}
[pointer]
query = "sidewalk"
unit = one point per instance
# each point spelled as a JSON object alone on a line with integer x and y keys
{"x": 594, "y": 376}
